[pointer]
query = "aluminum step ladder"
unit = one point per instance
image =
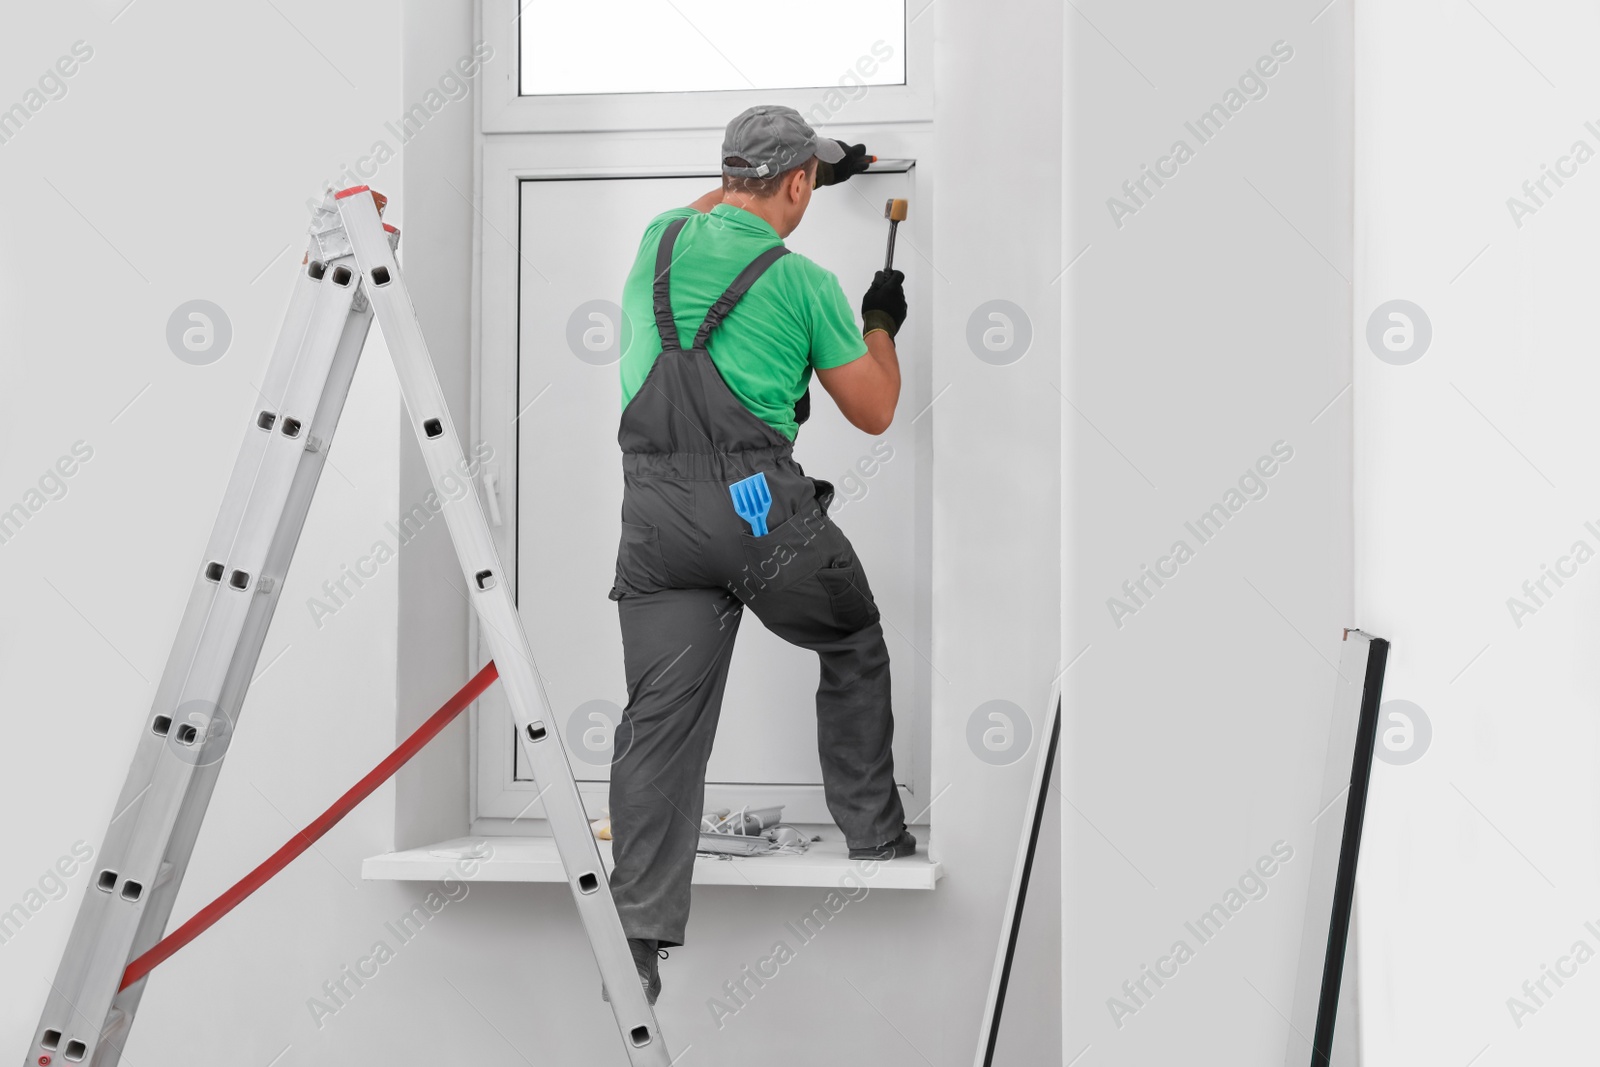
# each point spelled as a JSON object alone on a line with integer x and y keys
{"x": 349, "y": 274}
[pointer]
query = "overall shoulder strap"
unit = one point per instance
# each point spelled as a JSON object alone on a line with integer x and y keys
{"x": 665, "y": 326}
{"x": 740, "y": 286}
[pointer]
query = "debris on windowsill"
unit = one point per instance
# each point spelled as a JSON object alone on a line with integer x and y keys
{"x": 727, "y": 834}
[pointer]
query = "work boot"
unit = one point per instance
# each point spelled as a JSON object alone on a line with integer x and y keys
{"x": 646, "y": 960}
{"x": 904, "y": 845}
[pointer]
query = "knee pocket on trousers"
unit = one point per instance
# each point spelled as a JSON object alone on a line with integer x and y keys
{"x": 853, "y": 606}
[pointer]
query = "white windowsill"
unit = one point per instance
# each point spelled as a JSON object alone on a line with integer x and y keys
{"x": 534, "y": 859}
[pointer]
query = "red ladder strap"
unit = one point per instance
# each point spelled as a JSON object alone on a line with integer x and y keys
{"x": 208, "y": 916}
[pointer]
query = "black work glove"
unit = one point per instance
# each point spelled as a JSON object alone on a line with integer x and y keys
{"x": 855, "y": 161}
{"x": 884, "y": 306}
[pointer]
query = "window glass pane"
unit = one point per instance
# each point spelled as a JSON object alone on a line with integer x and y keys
{"x": 662, "y": 46}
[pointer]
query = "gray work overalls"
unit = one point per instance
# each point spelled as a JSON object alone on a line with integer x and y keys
{"x": 687, "y": 566}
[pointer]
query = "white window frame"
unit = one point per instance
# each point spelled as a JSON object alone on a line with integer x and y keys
{"x": 635, "y": 135}
{"x": 505, "y": 163}
{"x": 505, "y": 110}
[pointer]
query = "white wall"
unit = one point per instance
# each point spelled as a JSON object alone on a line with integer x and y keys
{"x": 437, "y": 252}
{"x": 176, "y": 167}
{"x": 241, "y": 114}
{"x": 1208, "y": 326}
{"x": 1473, "y": 473}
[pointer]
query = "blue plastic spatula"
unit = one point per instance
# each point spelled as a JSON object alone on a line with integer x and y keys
{"x": 752, "y": 500}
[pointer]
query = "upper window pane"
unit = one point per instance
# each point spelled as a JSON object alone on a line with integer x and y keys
{"x": 674, "y": 46}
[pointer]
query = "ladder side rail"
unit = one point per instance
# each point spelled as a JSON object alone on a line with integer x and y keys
{"x": 287, "y": 351}
{"x": 159, "y": 785}
{"x": 254, "y": 498}
{"x": 230, "y": 513}
{"x": 158, "y": 912}
{"x": 68, "y": 1007}
{"x": 240, "y": 576}
{"x": 239, "y": 580}
{"x": 286, "y": 354}
{"x": 490, "y": 595}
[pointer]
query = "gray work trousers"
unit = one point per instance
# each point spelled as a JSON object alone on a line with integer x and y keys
{"x": 687, "y": 570}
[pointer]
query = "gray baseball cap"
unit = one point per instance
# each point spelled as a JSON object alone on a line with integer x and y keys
{"x": 773, "y": 139}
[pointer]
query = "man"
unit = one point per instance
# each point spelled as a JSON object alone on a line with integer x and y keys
{"x": 728, "y": 329}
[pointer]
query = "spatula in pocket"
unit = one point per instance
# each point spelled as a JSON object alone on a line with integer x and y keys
{"x": 752, "y": 500}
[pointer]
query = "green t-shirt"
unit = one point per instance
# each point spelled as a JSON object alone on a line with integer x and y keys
{"x": 794, "y": 318}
